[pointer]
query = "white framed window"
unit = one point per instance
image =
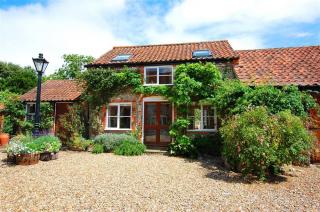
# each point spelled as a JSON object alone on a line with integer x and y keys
{"x": 158, "y": 75}
{"x": 119, "y": 116}
{"x": 31, "y": 111}
{"x": 202, "y": 118}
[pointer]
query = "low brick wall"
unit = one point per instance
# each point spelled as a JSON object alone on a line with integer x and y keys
{"x": 315, "y": 129}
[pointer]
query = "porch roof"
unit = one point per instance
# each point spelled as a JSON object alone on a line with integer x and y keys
{"x": 55, "y": 90}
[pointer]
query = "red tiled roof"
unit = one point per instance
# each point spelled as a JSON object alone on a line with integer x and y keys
{"x": 55, "y": 90}
{"x": 280, "y": 66}
{"x": 166, "y": 53}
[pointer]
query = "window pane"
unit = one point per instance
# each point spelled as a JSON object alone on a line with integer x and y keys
{"x": 125, "y": 110}
{"x": 164, "y": 135}
{"x": 151, "y": 113}
{"x": 165, "y": 114}
{"x": 151, "y": 79}
{"x": 208, "y": 122}
{"x": 125, "y": 122}
{"x": 151, "y": 71}
{"x": 208, "y": 110}
{"x": 31, "y": 108}
{"x": 150, "y": 135}
{"x": 113, "y": 110}
{"x": 165, "y": 71}
{"x": 112, "y": 122}
{"x": 165, "y": 79}
{"x": 196, "y": 119}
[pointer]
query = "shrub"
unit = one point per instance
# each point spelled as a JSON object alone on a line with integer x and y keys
{"x": 129, "y": 148}
{"x": 48, "y": 143}
{"x": 79, "y": 143}
{"x": 258, "y": 143}
{"x": 111, "y": 140}
{"x": 208, "y": 144}
{"x": 17, "y": 148}
{"x": 183, "y": 146}
{"x": 97, "y": 149}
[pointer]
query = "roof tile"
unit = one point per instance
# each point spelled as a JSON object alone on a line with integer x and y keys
{"x": 166, "y": 53}
{"x": 280, "y": 66}
{"x": 55, "y": 90}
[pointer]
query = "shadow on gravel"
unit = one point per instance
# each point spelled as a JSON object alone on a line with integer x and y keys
{"x": 218, "y": 171}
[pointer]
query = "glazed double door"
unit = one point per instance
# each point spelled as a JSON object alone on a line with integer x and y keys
{"x": 157, "y": 120}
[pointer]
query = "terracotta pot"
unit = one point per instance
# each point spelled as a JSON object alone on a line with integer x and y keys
{"x": 46, "y": 156}
{"x": 4, "y": 139}
{"x": 27, "y": 159}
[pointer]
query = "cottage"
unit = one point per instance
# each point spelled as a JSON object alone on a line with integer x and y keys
{"x": 156, "y": 63}
{"x": 59, "y": 93}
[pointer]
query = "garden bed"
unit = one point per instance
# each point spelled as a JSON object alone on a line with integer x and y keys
{"x": 84, "y": 181}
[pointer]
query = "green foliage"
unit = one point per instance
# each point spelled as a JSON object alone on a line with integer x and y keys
{"x": 97, "y": 149}
{"x": 46, "y": 118}
{"x": 72, "y": 124}
{"x": 194, "y": 82}
{"x": 48, "y": 143}
{"x": 129, "y": 148}
{"x": 16, "y": 79}
{"x": 257, "y": 143}
{"x": 79, "y": 143}
{"x": 210, "y": 144}
{"x": 233, "y": 97}
{"x": 183, "y": 146}
{"x": 103, "y": 84}
{"x": 112, "y": 140}
{"x": 72, "y": 67}
{"x": 26, "y": 144}
{"x": 14, "y": 113}
{"x": 179, "y": 127}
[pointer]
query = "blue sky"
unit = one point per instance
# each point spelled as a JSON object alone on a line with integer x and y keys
{"x": 92, "y": 27}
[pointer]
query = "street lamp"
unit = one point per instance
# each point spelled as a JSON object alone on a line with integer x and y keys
{"x": 40, "y": 64}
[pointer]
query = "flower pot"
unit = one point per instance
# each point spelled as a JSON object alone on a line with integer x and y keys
{"x": 4, "y": 139}
{"x": 27, "y": 159}
{"x": 46, "y": 156}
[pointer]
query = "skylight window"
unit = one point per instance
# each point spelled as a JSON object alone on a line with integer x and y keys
{"x": 201, "y": 53}
{"x": 122, "y": 57}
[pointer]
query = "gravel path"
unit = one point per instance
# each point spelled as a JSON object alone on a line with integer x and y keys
{"x": 83, "y": 181}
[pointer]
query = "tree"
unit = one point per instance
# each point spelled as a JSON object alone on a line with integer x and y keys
{"x": 16, "y": 79}
{"x": 72, "y": 67}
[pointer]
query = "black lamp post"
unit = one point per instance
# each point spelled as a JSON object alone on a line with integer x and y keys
{"x": 40, "y": 64}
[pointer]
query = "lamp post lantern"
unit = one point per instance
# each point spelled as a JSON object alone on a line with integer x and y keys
{"x": 40, "y": 64}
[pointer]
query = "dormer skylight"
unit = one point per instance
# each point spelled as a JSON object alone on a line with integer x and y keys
{"x": 122, "y": 57}
{"x": 201, "y": 53}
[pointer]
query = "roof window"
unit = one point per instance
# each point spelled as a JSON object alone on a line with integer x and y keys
{"x": 201, "y": 53}
{"x": 122, "y": 57}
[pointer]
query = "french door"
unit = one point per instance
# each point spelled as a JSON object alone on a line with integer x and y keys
{"x": 157, "y": 120}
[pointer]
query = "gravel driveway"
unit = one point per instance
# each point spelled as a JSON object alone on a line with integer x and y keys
{"x": 83, "y": 181}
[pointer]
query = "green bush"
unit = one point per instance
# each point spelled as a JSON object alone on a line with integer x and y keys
{"x": 97, "y": 149}
{"x": 111, "y": 140}
{"x": 233, "y": 97}
{"x": 183, "y": 146}
{"x": 48, "y": 143}
{"x": 208, "y": 144}
{"x": 258, "y": 143}
{"x": 129, "y": 148}
{"x": 79, "y": 143}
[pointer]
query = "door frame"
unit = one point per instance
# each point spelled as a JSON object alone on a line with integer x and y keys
{"x": 153, "y": 99}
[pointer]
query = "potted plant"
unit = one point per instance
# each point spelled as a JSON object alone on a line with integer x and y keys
{"x": 49, "y": 147}
{"x": 4, "y": 137}
{"x": 23, "y": 153}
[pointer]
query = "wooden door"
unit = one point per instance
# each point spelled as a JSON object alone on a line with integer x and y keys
{"x": 157, "y": 120}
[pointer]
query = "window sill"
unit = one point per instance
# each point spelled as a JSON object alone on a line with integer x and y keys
{"x": 203, "y": 130}
{"x": 118, "y": 129}
{"x": 155, "y": 84}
